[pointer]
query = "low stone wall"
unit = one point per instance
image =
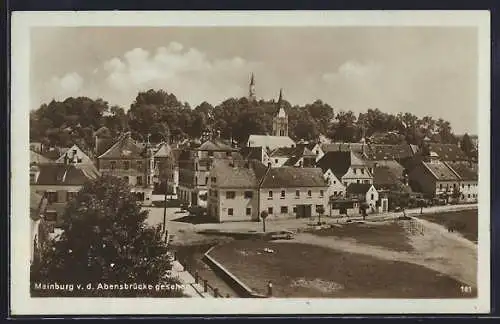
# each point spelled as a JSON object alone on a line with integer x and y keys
{"x": 238, "y": 286}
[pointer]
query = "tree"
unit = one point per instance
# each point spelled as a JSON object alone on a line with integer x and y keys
{"x": 466, "y": 145}
{"x": 263, "y": 215}
{"x": 105, "y": 240}
{"x": 421, "y": 203}
{"x": 320, "y": 210}
{"x": 363, "y": 207}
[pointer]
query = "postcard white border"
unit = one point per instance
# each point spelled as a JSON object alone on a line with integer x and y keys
{"x": 23, "y": 304}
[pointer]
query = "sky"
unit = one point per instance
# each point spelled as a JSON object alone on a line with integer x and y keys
{"x": 423, "y": 70}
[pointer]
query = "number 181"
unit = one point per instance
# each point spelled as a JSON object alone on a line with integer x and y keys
{"x": 466, "y": 289}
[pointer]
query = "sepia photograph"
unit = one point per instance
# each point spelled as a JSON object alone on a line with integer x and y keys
{"x": 330, "y": 162}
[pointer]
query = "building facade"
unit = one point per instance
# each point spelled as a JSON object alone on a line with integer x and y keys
{"x": 132, "y": 162}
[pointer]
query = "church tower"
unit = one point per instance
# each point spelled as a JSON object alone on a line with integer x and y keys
{"x": 251, "y": 90}
{"x": 280, "y": 120}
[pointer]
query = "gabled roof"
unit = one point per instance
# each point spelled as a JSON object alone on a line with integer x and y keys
{"x": 270, "y": 142}
{"x": 230, "y": 175}
{"x": 358, "y": 188}
{"x": 287, "y": 177}
{"x": 448, "y": 152}
{"x": 440, "y": 171}
{"x": 102, "y": 145}
{"x": 163, "y": 151}
{"x": 66, "y": 174}
{"x": 298, "y": 153}
{"x": 36, "y": 158}
{"x": 125, "y": 148}
{"x": 465, "y": 172}
{"x": 214, "y": 145}
{"x": 339, "y": 162}
{"x": 69, "y": 154}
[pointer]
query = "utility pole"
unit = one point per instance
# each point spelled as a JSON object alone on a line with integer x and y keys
{"x": 164, "y": 204}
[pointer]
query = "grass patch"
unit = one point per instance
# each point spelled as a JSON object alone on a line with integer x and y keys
{"x": 464, "y": 221}
{"x": 391, "y": 236}
{"x": 300, "y": 270}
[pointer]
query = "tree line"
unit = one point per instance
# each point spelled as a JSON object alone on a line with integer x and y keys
{"x": 159, "y": 115}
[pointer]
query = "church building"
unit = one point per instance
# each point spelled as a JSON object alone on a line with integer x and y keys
{"x": 279, "y": 137}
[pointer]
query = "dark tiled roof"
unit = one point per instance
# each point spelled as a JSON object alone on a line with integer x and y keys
{"x": 358, "y": 188}
{"x": 383, "y": 176}
{"x": 389, "y": 152}
{"x": 448, "y": 152}
{"x": 36, "y": 158}
{"x": 287, "y": 177}
{"x": 282, "y": 152}
{"x": 440, "y": 171}
{"x": 464, "y": 172}
{"x": 125, "y": 148}
{"x": 339, "y": 162}
{"x": 102, "y": 145}
{"x": 252, "y": 153}
{"x": 66, "y": 174}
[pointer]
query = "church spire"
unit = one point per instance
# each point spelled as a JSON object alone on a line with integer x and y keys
{"x": 251, "y": 89}
{"x": 281, "y": 96}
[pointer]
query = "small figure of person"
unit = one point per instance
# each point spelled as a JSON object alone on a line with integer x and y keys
{"x": 269, "y": 288}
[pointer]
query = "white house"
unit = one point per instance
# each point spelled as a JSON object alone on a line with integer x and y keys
{"x": 347, "y": 167}
{"x": 365, "y": 193}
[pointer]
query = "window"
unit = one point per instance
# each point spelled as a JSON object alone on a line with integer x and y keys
{"x": 206, "y": 181}
{"x": 468, "y": 186}
{"x": 50, "y": 216}
{"x": 270, "y": 195}
{"x": 248, "y": 194}
{"x": 230, "y": 212}
{"x": 440, "y": 186}
{"x": 284, "y": 209}
{"x": 126, "y": 165}
{"x": 334, "y": 182}
{"x": 297, "y": 193}
{"x": 113, "y": 165}
{"x": 71, "y": 195}
{"x": 463, "y": 186}
{"x": 454, "y": 185}
{"x": 228, "y": 153}
{"x": 230, "y": 194}
{"x": 309, "y": 193}
{"x": 270, "y": 210}
{"x": 357, "y": 181}
{"x": 139, "y": 165}
{"x": 321, "y": 193}
{"x": 213, "y": 179}
{"x": 249, "y": 211}
{"x": 362, "y": 171}
{"x": 51, "y": 196}
{"x": 294, "y": 209}
{"x": 125, "y": 178}
{"x": 276, "y": 161}
{"x": 282, "y": 194}
{"x": 468, "y": 196}
{"x": 210, "y": 153}
{"x": 366, "y": 181}
{"x": 354, "y": 170}
{"x": 372, "y": 196}
{"x": 32, "y": 178}
{"x": 139, "y": 181}
{"x": 215, "y": 193}
{"x": 74, "y": 152}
